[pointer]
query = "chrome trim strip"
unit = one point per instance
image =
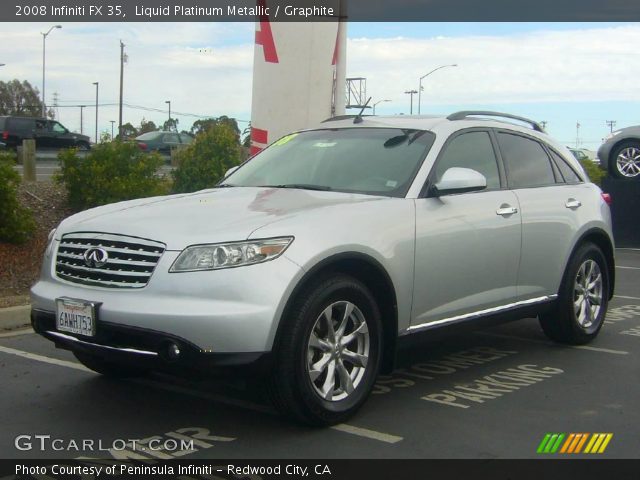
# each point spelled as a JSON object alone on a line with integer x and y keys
{"x": 481, "y": 313}
{"x": 77, "y": 340}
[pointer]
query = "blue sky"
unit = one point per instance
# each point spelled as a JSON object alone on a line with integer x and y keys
{"x": 563, "y": 73}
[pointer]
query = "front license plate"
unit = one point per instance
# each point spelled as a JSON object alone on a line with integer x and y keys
{"x": 76, "y": 316}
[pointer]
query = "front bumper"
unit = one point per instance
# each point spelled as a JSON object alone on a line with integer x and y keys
{"x": 148, "y": 349}
{"x": 235, "y": 310}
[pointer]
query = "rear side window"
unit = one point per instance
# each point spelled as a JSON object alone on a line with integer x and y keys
{"x": 526, "y": 160}
{"x": 185, "y": 138}
{"x": 569, "y": 175}
{"x": 170, "y": 138}
{"x": 22, "y": 124}
{"x": 2, "y": 120}
{"x": 470, "y": 150}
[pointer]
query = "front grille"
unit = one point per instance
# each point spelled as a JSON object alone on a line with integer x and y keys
{"x": 130, "y": 262}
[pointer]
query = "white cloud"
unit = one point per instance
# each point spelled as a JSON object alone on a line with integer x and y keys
{"x": 574, "y": 65}
{"x": 206, "y": 68}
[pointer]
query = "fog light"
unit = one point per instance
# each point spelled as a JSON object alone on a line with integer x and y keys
{"x": 173, "y": 352}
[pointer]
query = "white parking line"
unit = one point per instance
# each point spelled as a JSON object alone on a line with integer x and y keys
{"x": 625, "y": 297}
{"x": 365, "y": 432}
{"x": 627, "y": 268}
{"x": 597, "y": 349}
{"x": 41, "y": 358}
{"x": 631, "y": 249}
{"x": 550, "y": 344}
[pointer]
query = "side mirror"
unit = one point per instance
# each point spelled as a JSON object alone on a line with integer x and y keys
{"x": 460, "y": 180}
{"x": 230, "y": 171}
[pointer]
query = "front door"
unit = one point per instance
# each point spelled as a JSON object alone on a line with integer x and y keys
{"x": 467, "y": 245}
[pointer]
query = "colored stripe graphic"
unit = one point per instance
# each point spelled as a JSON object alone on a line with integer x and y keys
{"x": 550, "y": 443}
{"x": 573, "y": 443}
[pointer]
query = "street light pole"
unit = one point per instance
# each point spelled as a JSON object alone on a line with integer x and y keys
{"x": 411, "y": 92}
{"x": 96, "y": 84}
{"x": 424, "y": 76}
{"x": 379, "y": 101}
{"x": 81, "y": 122}
{"x": 44, "y": 43}
{"x": 169, "y": 102}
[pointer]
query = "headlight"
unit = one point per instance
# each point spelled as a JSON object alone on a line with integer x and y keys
{"x": 226, "y": 255}
{"x": 52, "y": 234}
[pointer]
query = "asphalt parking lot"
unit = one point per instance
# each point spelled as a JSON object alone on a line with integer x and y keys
{"x": 431, "y": 407}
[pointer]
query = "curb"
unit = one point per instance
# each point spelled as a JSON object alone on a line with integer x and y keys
{"x": 15, "y": 317}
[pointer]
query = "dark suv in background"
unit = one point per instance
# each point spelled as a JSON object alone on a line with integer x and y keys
{"x": 47, "y": 133}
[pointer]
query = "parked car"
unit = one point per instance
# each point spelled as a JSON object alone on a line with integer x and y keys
{"x": 318, "y": 258}
{"x": 47, "y": 133}
{"x": 620, "y": 152}
{"x": 162, "y": 142}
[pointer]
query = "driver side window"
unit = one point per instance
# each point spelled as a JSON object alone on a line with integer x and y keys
{"x": 472, "y": 150}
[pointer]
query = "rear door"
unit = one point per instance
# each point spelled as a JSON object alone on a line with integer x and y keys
{"x": 549, "y": 208}
{"x": 467, "y": 245}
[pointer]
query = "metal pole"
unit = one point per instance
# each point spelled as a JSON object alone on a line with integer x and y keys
{"x": 44, "y": 43}
{"x": 44, "y": 37}
{"x": 121, "y": 86}
{"x": 96, "y": 84}
{"x": 81, "y": 107}
{"x": 423, "y": 77}
{"x": 112, "y": 122}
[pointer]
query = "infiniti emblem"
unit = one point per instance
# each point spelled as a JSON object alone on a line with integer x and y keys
{"x": 96, "y": 257}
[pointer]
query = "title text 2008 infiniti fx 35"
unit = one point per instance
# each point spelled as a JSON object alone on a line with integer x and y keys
{"x": 316, "y": 257}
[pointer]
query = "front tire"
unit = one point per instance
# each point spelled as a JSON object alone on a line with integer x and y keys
{"x": 583, "y": 299}
{"x": 625, "y": 161}
{"x": 329, "y": 352}
{"x": 108, "y": 369}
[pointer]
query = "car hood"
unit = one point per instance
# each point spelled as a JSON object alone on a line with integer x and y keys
{"x": 208, "y": 216}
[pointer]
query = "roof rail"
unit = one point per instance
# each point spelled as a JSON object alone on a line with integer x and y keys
{"x": 340, "y": 117}
{"x": 468, "y": 113}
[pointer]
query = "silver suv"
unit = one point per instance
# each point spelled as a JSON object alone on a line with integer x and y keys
{"x": 315, "y": 260}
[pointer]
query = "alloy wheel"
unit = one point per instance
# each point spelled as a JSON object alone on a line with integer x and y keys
{"x": 338, "y": 351}
{"x": 588, "y": 293}
{"x": 628, "y": 162}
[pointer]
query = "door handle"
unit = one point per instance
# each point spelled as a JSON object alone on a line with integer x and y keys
{"x": 573, "y": 203}
{"x": 506, "y": 210}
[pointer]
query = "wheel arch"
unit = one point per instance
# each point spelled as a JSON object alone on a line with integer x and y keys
{"x": 600, "y": 238}
{"x": 618, "y": 144}
{"x": 374, "y": 276}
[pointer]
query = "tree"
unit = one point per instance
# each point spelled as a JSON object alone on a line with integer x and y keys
{"x": 146, "y": 126}
{"x": 20, "y": 98}
{"x": 171, "y": 125}
{"x": 206, "y": 123}
{"x": 128, "y": 131}
{"x": 205, "y": 161}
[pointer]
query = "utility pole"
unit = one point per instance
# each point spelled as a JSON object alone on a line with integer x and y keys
{"x": 412, "y": 93}
{"x": 112, "y": 122}
{"x": 81, "y": 107}
{"x": 577, "y": 134}
{"x": 122, "y": 59}
{"x": 97, "y": 84}
{"x": 611, "y": 124}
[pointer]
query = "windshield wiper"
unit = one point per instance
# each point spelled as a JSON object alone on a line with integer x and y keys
{"x": 224, "y": 185}
{"x": 301, "y": 186}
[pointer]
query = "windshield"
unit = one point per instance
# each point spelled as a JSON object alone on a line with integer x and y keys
{"x": 376, "y": 161}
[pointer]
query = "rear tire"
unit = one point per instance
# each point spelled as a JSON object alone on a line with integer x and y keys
{"x": 582, "y": 300}
{"x": 108, "y": 369}
{"x": 329, "y": 354}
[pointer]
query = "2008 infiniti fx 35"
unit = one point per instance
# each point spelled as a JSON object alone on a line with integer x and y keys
{"x": 314, "y": 259}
